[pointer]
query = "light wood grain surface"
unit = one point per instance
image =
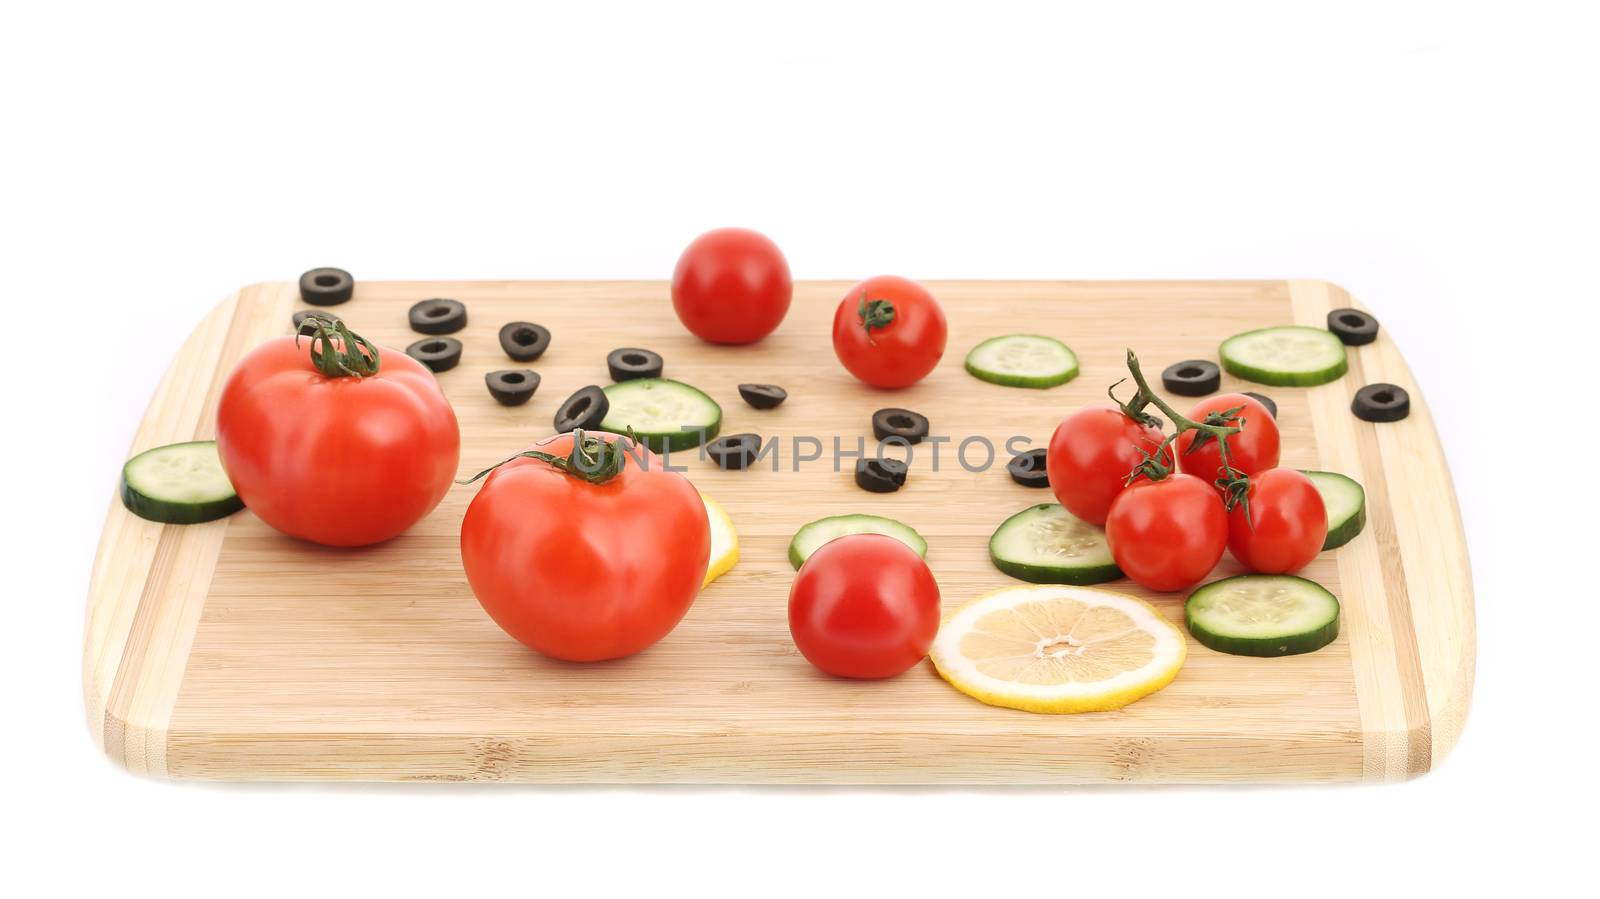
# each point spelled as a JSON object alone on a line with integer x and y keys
{"x": 229, "y": 651}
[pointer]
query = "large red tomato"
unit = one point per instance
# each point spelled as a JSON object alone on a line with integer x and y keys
{"x": 335, "y": 458}
{"x": 865, "y": 606}
{"x": 1254, "y": 448}
{"x": 1167, "y": 534}
{"x": 1091, "y": 455}
{"x": 584, "y": 569}
{"x": 889, "y": 331}
{"x": 731, "y": 286}
{"x": 1286, "y": 524}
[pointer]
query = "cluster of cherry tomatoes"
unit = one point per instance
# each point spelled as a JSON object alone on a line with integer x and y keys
{"x": 1170, "y": 507}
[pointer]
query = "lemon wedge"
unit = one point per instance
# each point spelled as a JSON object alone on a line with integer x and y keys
{"x": 1055, "y": 648}
{"x": 724, "y": 541}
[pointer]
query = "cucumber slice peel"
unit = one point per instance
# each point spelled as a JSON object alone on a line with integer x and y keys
{"x": 1263, "y": 615}
{"x": 1046, "y": 544}
{"x": 812, "y": 536}
{"x": 181, "y": 483}
{"x": 1023, "y": 360}
{"x": 665, "y": 415}
{"x": 1346, "y": 503}
{"x": 1289, "y": 356}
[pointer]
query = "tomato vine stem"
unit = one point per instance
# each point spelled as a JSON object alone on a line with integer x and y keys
{"x": 353, "y": 356}
{"x": 875, "y": 314}
{"x": 592, "y": 459}
{"x": 1234, "y": 483}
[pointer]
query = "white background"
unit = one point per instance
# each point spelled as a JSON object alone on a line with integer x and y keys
{"x": 1437, "y": 160}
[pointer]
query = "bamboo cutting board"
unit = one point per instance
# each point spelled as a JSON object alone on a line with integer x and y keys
{"x": 225, "y": 650}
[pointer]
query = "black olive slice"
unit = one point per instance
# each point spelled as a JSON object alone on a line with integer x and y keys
{"x": 303, "y": 314}
{"x": 438, "y": 353}
{"x": 880, "y": 475}
{"x": 734, "y": 451}
{"x": 438, "y": 316}
{"x": 512, "y": 387}
{"x": 630, "y": 363}
{"x": 1196, "y": 377}
{"x": 1381, "y": 402}
{"x": 584, "y": 409}
{"x": 893, "y": 469}
{"x": 1028, "y": 469}
{"x": 903, "y": 423}
{"x": 326, "y": 286}
{"x": 1263, "y": 399}
{"x": 763, "y": 396}
{"x": 1352, "y": 326}
{"x": 524, "y": 341}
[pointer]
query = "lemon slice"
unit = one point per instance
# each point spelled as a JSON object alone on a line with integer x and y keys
{"x": 724, "y": 541}
{"x": 1055, "y": 648}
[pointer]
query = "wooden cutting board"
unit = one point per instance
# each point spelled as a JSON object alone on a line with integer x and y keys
{"x": 225, "y": 650}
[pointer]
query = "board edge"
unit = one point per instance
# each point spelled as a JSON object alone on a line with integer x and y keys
{"x": 1448, "y": 690}
{"x": 127, "y": 701}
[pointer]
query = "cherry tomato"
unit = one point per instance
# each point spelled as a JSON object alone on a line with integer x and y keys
{"x": 1253, "y": 449}
{"x": 1167, "y": 534}
{"x": 1091, "y": 455}
{"x": 731, "y": 286}
{"x": 1286, "y": 526}
{"x": 342, "y": 460}
{"x": 889, "y": 332}
{"x": 864, "y": 606}
{"x": 585, "y": 571}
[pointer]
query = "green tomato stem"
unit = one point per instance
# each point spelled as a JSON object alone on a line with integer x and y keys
{"x": 354, "y": 356}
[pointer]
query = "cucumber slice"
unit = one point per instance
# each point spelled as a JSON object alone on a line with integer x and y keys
{"x": 1346, "y": 503}
{"x": 810, "y": 538}
{"x": 1291, "y": 356}
{"x": 1023, "y": 360}
{"x": 182, "y": 483}
{"x": 666, "y": 415}
{"x": 1263, "y": 615}
{"x": 1046, "y": 544}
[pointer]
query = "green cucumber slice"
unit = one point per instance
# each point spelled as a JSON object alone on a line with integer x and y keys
{"x": 810, "y": 538}
{"x": 1046, "y": 544}
{"x": 1263, "y": 615}
{"x": 1023, "y": 360}
{"x": 1290, "y": 356}
{"x": 181, "y": 483}
{"x": 666, "y": 415}
{"x": 1346, "y": 503}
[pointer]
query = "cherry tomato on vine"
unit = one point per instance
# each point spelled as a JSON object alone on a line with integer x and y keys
{"x": 731, "y": 286}
{"x": 339, "y": 448}
{"x": 1254, "y": 448}
{"x": 1091, "y": 455}
{"x": 889, "y": 331}
{"x": 1169, "y": 533}
{"x": 1286, "y": 523}
{"x": 864, "y": 606}
{"x": 584, "y": 569}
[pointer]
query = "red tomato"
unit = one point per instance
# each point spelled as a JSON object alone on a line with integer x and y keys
{"x": 1091, "y": 455}
{"x": 1167, "y": 534}
{"x": 731, "y": 286}
{"x": 1287, "y": 523}
{"x": 864, "y": 606}
{"x": 889, "y": 332}
{"x": 1253, "y": 449}
{"x": 586, "y": 571}
{"x": 338, "y": 460}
